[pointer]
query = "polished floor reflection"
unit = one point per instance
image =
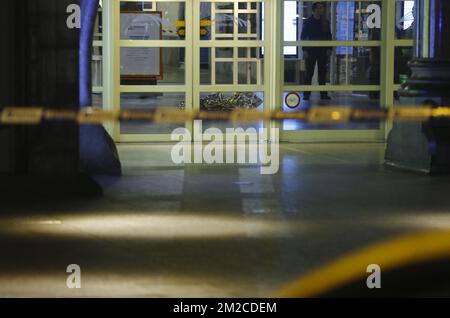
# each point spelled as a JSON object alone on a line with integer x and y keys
{"x": 338, "y": 99}
{"x": 164, "y": 230}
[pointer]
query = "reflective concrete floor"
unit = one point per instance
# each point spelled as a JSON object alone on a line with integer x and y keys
{"x": 210, "y": 231}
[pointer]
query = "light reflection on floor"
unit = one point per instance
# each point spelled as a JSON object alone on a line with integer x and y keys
{"x": 165, "y": 230}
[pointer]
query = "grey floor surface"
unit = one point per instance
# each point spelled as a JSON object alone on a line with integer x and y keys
{"x": 164, "y": 230}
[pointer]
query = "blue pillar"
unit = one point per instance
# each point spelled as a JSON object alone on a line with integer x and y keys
{"x": 98, "y": 153}
{"x": 89, "y": 10}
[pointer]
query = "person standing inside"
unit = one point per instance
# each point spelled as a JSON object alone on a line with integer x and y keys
{"x": 316, "y": 28}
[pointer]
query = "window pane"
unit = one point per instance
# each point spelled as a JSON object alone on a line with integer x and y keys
{"x": 152, "y": 66}
{"x": 364, "y": 100}
{"x": 345, "y": 66}
{"x": 223, "y": 21}
{"x": 141, "y": 20}
{"x": 149, "y": 102}
{"x": 341, "y": 20}
{"x": 227, "y": 101}
{"x": 403, "y": 55}
{"x": 248, "y": 63}
{"x": 405, "y": 19}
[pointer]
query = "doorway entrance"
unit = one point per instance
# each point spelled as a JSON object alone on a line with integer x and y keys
{"x": 186, "y": 54}
{"x": 199, "y": 54}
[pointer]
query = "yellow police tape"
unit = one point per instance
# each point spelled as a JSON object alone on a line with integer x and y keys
{"x": 321, "y": 115}
{"x": 392, "y": 254}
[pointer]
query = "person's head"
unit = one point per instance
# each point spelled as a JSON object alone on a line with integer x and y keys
{"x": 318, "y": 9}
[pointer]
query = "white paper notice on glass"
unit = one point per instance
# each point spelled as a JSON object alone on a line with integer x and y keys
{"x": 140, "y": 61}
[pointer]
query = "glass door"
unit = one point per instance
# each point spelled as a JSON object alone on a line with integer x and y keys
{"x": 231, "y": 58}
{"x": 209, "y": 55}
{"x": 152, "y": 63}
{"x": 332, "y": 55}
{"x": 217, "y": 55}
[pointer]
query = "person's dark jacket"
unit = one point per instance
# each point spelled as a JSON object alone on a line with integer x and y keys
{"x": 316, "y": 30}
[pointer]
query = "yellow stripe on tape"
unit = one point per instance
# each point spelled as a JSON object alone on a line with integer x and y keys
{"x": 406, "y": 250}
{"x": 322, "y": 115}
{"x": 21, "y": 115}
{"x": 96, "y": 116}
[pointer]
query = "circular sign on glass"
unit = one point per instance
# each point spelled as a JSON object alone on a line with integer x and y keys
{"x": 293, "y": 100}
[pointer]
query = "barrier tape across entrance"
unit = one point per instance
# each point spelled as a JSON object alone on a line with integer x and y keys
{"x": 321, "y": 115}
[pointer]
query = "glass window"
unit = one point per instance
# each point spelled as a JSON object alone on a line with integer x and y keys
{"x": 147, "y": 102}
{"x": 405, "y": 19}
{"x": 237, "y": 66}
{"x": 97, "y": 66}
{"x": 341, "y": 20}
{"x": 152, "y": 66}
{"x": 334, "y": 66}
{"x": 97, "y": 100}
{"x": 403, "y": 55}
{"x": 225, "y": 21}
{"x": 228, "y": 101}
{"x": 97, "y": 55}
{"x": 363, "y": 100}
{"x": 291, "y": 22}
{"x": 140, "y": 20}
